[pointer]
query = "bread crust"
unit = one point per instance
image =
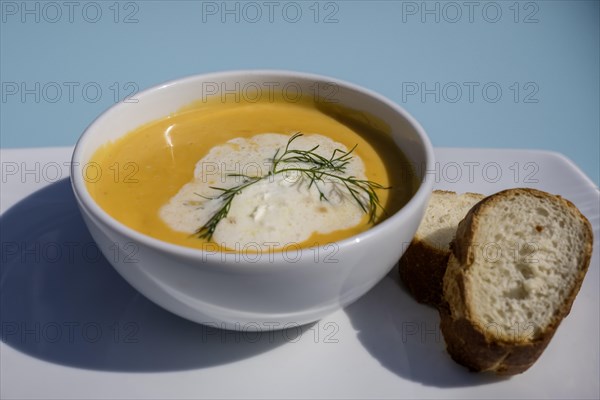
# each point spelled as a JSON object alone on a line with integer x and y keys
{"x": 468, "y": 341}
{"x": 422, "y": 269}
{"x": 422, "y": 266}
{"x": 469, "y": 345}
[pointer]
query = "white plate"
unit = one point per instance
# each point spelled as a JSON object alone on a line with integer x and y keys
{"x": 72, "y": 328}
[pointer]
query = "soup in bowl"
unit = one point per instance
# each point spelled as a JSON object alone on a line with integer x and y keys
{"x": 254, "y": 199}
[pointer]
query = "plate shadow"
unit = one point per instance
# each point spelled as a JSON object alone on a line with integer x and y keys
{"x": 405, "y": 337}
{"x": 61, "y": 300}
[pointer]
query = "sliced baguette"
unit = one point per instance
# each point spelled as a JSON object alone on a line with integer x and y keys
{"x": 502, "y": 306}
{"x": 423, "y": 265}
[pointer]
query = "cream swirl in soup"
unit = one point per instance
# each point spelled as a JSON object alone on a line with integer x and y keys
{"x": 282, "y": 208}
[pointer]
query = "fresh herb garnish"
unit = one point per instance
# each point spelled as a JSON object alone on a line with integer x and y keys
{"x": 319, "y": 170}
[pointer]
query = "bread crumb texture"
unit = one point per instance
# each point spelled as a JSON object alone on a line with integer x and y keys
{"x": 528, "y": 257}
{"x": 444, "y": 211}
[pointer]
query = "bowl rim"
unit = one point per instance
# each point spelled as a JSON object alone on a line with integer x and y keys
{"x": 276, "y": 257}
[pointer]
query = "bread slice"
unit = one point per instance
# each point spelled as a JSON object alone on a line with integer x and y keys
{"x": 423, "y": 264}
{"x": 517, "y": 263}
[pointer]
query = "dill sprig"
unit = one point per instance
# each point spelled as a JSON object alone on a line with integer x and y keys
{"x": 319, "y": 170}
{"x": 207, "y": 230}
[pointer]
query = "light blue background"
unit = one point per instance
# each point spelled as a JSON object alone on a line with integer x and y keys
{"x": 550, "y": 49}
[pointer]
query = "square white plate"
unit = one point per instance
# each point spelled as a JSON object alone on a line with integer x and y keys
{"x": 73, "y": 328}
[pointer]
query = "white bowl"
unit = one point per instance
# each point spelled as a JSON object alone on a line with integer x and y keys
{"x": 253, "y": 291}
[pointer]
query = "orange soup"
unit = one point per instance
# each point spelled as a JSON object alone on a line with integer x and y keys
{"x": 147, "y": 174}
